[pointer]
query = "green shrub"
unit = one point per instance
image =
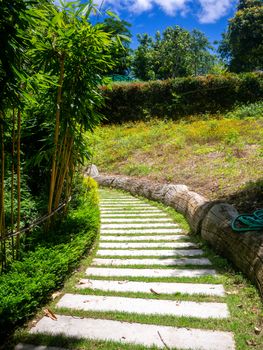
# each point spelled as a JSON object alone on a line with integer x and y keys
{"x": 253, "y": 110}
{"x": 30, "y": 281}
{"x": 181, "y": 96}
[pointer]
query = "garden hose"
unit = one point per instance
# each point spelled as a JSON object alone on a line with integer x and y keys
{"x": 248, "y": 222}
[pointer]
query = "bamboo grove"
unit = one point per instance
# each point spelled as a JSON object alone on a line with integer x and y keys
{"x": 52, "y": 62}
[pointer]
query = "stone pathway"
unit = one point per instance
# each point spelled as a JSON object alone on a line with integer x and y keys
{"x": 142, "y": 251}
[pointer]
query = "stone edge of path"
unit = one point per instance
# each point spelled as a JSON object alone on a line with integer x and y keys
{"x": 153, "y": 334}
{"x": 210, "y": 219}
{"x": 148, "y": 272}
{"x": 144, "y": 306}
{"x": 150, "y": 262}
{"x": 21, "y": 346}
{"x": 149, "y": 287}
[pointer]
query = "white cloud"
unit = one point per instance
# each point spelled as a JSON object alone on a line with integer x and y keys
{"x": 139, "y": 6}
{"x": 212, "y": 10}
{"x": 209, "y": 10}
{"x": 170, "y": 7}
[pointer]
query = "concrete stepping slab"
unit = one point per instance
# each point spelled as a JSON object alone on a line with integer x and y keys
{"x": 155, "y": 273}
{"x": 132, "y": 245}
{"x": 149, "y": 262}
{"x": 141, "y": 225}
{"x": 116, "y": 196}
{"x": 142, "y": 238}
{"x": 149, "y": 215}
{"x": 153, "y": 287}
{"x": 156, "y": 252}
{"x": 121, "y": 201}
{"x": 131, "y": 210}
{"x": 141, "y": 220}
{"x": 136, "y": 333}
{"x": 109, "y": 199}
{"x": 143, "y": 231}
{"x": 143, "y": 306}
{"x": 129, "y": 205}
{"x": 36, "y": 347}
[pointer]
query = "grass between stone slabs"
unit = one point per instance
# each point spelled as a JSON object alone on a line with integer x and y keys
{"x": 148, "y": 257}
{"x": 175, "y": 216}
{"x": 156, "y": 266}
{"x": 241, "y": 297}
{"x": 72, "y": 343}
{"x": 150, "y": 295}
{"x": 132, "y": 239}
{"x": 202, "y": 279}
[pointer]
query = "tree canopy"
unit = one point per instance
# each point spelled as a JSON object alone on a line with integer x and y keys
{"x": 242, "y": 43}
{"x": 119, "y": 53}
{"x": 174, "y": 53}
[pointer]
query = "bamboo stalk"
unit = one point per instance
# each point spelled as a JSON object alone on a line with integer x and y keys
{"x": 2, "y": 199}
{"x": 56, "y": 135}
{"x": 12, "y": 181}
{"x": 64, "y": 172}
{"x": 61, "y": 157}
{"x": 69, "y": 180}
{"x": 61, "y": 150}
{"x": 18, "y": 182}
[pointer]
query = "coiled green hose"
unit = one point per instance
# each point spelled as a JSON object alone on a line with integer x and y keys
{"x": 248, "y": 222}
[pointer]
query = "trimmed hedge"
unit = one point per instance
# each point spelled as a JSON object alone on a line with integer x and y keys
{"x": 30, "y": 281}
{"x": 180, "y": 97}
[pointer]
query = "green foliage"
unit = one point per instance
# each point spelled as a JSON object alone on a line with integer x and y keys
{"x": 52, "y": 62}
{"x": 254, "y": 110}
{"x": 12, "y": 19}
{"x": 30, "y": 281}
{"x": 175, "y": 53}
{"x": 242, "y": 44}
{"x": 30, "y": 207}
{"x": 179, "y": 97}
{"x": 119, "y": 53}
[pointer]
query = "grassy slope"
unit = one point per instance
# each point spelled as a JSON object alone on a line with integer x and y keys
{"x": 218, "y": 157}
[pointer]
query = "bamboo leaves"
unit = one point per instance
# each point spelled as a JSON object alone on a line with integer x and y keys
{"x": 49, "y": 97}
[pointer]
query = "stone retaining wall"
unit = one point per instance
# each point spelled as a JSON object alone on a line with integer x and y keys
{"x": 211, "y": 220}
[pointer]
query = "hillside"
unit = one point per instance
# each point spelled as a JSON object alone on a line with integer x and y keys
{"x": 220, "y": 157}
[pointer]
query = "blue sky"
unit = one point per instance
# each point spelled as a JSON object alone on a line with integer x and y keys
{"x": 148, "y": 16}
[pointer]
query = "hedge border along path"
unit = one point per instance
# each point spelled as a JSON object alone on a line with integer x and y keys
{"x": 211, "y": 220}
{"x": 72, "y": 324}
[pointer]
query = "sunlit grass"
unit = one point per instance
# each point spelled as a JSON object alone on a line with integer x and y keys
{"x": 215, "y": 157}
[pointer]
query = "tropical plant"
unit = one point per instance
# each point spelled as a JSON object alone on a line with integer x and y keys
{"x": 242, "y": 44}
{"x": 174, "y": 53}
{"x": 121, "y": 54}
{"x": 49, "y": 94}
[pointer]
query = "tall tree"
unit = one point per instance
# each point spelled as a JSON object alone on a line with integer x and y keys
{"x": 67, "y": 47}
{"x": 143, "y": 58}
{"x": 174, "y": 53}
{"x": 242, "y": 44}
{"x": 201, "y": 57}
{"x": 52, "y": 62}
{"x": 118, "y": 28}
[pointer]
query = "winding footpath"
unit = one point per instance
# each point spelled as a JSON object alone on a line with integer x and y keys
{"x": 142, "y": 251}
